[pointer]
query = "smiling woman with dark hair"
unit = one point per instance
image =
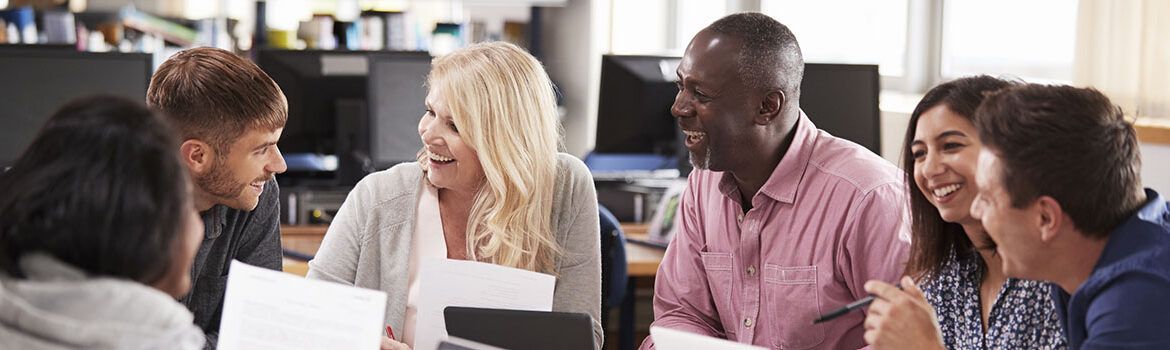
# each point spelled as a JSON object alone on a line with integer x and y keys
{"x": 951, "y": 255}
{"x": 97, "y": 234}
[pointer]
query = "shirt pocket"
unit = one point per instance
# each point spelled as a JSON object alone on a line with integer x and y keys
{"x": 794, "y": 303}
{"x": 718, "y": 268}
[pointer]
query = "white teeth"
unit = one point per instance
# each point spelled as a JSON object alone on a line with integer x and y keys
{"x": 946, "y": 190}
{"x": 439, "y": 158}
{"x": 694, "y": 136}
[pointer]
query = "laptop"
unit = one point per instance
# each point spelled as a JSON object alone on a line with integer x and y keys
{"x": 666, "y": 219}
{"x": 457, "y": 343}
{"x": 520, "y": 330}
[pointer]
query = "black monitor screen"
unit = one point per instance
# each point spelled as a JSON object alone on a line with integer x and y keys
{"x": 637, "y": 92}
{"x": 38, "y": 82}
{"x": 397, "y": 101}
{"x": 633, "y": 111}
{"x": 843, "y": 100}
{"x": 317, "y": 85}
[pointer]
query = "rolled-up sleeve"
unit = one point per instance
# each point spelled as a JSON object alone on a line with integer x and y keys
{"x": 877, "y": 240}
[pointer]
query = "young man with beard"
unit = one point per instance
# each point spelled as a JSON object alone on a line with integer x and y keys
{"x": 229, "y": 115}
{"x": 1060, "y": 192}
{"x": 780, "y": 222}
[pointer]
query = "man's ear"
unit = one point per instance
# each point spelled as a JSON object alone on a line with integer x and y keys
{"x": 770, "y": 107}
{"x": 197, "y": 155}
{"x": 1051, "y": 218}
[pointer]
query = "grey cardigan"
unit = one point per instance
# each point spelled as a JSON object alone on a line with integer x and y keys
{"x": 368, "y": 244}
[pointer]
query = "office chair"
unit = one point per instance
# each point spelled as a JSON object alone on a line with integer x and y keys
{"x": 614, "y": 276}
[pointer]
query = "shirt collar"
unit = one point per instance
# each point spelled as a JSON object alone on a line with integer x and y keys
{"x": 213, "y": 221}
{"x": 1144, "y": 229}
{"x": 785, "y": 179}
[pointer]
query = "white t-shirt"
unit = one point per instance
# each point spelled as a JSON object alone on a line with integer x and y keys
{"x": 427, "y": 242}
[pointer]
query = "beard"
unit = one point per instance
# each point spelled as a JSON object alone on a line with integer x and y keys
{"x": 702, "y": 162}
{"x": 220, "y": 182}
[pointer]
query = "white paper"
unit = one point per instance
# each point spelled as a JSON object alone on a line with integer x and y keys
{"x": 444, "y": 282}
{"x": 265, "y": 309}
{"x": 670, "y": 339}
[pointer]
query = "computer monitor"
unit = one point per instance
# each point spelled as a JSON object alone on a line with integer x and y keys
{"x": 397, "y": 101}
{"x": 843, "y": 100}
{"x": 319, "y": 85}
{"x": 36, "y": 82}
{"x": 633, "y": 111}
{"x": 637, "y": 92}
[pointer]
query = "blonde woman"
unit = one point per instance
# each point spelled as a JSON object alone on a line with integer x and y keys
{"x": 488, "y": 186}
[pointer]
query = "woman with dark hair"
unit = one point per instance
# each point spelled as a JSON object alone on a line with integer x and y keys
{"x": 97, "y": 234}
{"x": 951, "y": 255}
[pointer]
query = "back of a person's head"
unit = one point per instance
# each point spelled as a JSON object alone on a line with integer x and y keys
{"x": 770, "y": 56}
{"x": 504, "y": 106}
{"x": 1068, "y": 143}
{"x": 215, "y": 96}
{"x": 101, "y": 188}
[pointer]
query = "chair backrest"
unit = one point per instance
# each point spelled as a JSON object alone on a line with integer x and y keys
{"x": 613, "y": 259}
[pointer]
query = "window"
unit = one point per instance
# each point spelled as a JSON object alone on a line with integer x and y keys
{"x": 638, "y": 27}
{"x": 659, "y": 27}
{"x": 1033, "y": 39}
{"x": 693, "y": 16}
{"x": 847, "y": 31}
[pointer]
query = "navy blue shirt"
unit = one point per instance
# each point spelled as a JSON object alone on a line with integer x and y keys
{"x": 1125, "y": 303}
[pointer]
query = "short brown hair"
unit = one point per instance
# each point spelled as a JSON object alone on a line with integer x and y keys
{"x": 1068, "y": 143}
{"x": 215, "y": 96}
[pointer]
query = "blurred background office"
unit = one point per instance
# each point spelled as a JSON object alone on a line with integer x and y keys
{"x": 353, "y": 72}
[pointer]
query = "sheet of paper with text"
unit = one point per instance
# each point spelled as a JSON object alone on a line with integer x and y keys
{"x": 265, "y": 309}
{"x": 444, "y": 282}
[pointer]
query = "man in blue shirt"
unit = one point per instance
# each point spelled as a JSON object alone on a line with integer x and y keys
{"x": 1060, "y": 194}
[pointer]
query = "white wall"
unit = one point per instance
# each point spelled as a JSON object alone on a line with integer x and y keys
{"x": 1156, "y": 167}
{"x": 893, "y": 126}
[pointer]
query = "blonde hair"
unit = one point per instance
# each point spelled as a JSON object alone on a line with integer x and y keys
{"x": 503, "y": 105}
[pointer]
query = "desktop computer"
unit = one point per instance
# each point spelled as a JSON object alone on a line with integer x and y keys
{"x": 354, "y": 111}
{"x": 35, "y": 82}
{"x": 843, "y": 100}
{"x": 324, "y": 89}
{"x": 350, "y": 113}
{"x": 397, "y": 98}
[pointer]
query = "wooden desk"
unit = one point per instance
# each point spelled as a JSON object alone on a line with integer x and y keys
{"x": 641, "y": 261}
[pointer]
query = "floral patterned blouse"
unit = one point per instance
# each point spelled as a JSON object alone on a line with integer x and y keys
{"x": 1022, "y": 317}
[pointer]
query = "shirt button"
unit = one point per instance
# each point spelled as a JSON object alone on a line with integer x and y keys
{"x": 739, "y": 217}
{"x": 747, "y": 322}
{"x": 751, "y": 270}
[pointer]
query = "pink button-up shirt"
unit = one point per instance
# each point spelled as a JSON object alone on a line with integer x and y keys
{"x": 831, "y": 216}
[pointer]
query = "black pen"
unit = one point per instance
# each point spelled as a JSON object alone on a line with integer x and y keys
{"x": 852, "y": 306}
{"x": 863, "y": 302}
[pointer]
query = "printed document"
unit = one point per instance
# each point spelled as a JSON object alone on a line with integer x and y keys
{"x": 266, "y": 309}
{"x": 445, "y": 282}
{"x": 670, "y": 339}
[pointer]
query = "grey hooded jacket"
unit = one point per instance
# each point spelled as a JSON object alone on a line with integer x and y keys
{"x": 58, "y": 307}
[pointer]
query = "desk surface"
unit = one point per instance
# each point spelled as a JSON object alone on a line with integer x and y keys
{"x": 641, "y": 261}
